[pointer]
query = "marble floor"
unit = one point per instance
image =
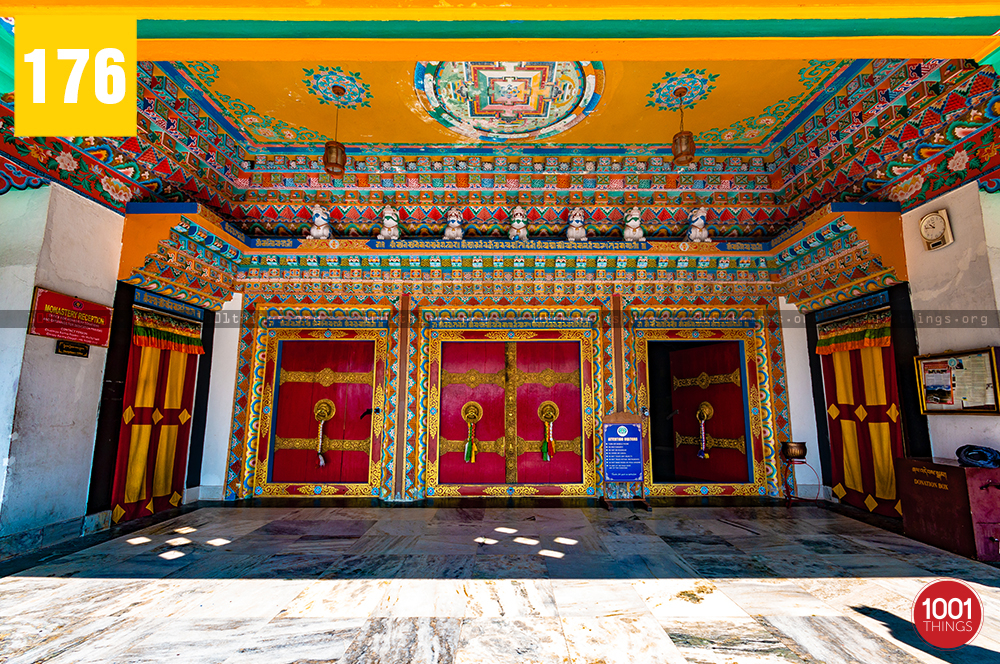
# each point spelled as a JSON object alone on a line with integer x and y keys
{"x": 400, "y": 585}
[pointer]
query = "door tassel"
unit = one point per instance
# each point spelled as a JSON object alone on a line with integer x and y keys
{"x": 472, "y": 412}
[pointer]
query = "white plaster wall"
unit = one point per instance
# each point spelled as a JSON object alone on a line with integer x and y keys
{"x": 225, "y": 353}
{"x": 22, "y": 227}
{"x": 956, "y": 278}
{"x": 800, "y": 398}
{"x": 989, "y": 204}
{"x": 54, "y": 425}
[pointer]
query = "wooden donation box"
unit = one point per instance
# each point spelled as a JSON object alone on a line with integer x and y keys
{"x": 950, "y": 506}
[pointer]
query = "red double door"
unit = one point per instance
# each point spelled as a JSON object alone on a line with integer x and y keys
{"x": 527, "y": 395}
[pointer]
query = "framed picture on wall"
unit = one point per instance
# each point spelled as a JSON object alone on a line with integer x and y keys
{"x": 959, "y": 383}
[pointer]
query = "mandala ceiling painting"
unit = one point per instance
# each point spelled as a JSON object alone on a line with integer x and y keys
{"x": 509, "y": 101}
{"x": 506, "y": 106}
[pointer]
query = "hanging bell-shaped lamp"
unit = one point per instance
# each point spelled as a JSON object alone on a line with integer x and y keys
{"x": 683, "y": 145}
{"x": 334, "y": 158}
{"x": 335, "y": 154}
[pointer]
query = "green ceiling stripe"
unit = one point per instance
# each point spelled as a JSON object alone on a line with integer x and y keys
{"x": 638, "y": 29}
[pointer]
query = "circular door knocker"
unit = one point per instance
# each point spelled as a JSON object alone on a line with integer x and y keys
{"x": 472, "y": 412}
{"x": 548, "y": 413}
{"x": 704, "y": 414}
{"x": 323, "y": 411}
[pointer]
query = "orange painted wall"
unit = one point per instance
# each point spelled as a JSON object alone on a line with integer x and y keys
{"x": 884, "y": 233}
{"x": 140, "y": 236}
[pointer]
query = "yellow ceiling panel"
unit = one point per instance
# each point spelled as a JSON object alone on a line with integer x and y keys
{"x": 735, "y": 103}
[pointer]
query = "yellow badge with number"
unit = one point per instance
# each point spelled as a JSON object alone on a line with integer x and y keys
{"x": 74, "y": 76}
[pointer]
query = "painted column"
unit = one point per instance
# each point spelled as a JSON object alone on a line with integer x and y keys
{"x": 402, "y": 370}
{"x": 618, "y": 351}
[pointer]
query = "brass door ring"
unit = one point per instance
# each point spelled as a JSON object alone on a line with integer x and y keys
{"x": 324, "y": 410}
{"x": 472, "y": 412}
{"x": 548, "y": 411}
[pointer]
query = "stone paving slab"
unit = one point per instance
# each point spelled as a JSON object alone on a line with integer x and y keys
{"x": 457, "y": 586}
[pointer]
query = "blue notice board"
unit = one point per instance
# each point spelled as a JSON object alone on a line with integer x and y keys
{"x": 623, "y": 452}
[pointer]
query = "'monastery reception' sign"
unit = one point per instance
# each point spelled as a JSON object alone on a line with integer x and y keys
{"x": 63, "y": 317}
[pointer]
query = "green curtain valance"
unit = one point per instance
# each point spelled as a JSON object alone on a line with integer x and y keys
{"x": 869, "y": 330}
{"x": 153, "y": 330}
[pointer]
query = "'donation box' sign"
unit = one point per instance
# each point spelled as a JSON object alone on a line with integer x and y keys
{"x": 63, "y": 317}
{"x": 622, "y": 453}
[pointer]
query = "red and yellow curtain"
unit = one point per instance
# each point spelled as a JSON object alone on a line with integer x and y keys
{"x": 863, "y": 413}
{"x": 518, "y": 406}
{"x": 156, "y": 418}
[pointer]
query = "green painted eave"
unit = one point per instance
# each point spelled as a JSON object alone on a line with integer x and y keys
{"x": 6, "y": 61}
{"x": 975, "y": 26}
{"x": 993, "y": 60}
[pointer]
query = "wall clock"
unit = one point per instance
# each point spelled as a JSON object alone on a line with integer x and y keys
{"x": 935, "y": 230}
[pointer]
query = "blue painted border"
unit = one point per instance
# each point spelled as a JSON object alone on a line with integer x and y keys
{"x": 161, "y": 208}
{"x": 880, "y": 299}
{"x": 871, "y": 206}
{"x": 168, "y": 305}
{"x": 746, "y": 414}
{"x": 274, "y": 411}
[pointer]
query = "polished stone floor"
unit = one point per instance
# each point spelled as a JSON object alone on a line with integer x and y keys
{"x": 401, "y": 585}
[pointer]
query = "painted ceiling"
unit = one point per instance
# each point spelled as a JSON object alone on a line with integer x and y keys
{"x": 394, "y": 107}
{"x": 777, "y": 141}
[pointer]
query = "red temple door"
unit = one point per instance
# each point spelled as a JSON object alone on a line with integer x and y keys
{"x": 472, "y": 385}
{"x": 545, "y": 377}
{"x": 336, "y": 377}
{"x": 520, "y": 402}
{"x": 711, "y": 375}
